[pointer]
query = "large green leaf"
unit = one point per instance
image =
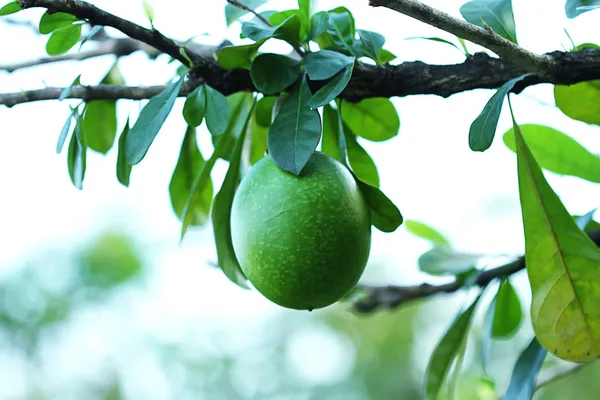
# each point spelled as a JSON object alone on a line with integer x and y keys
{"x": 232, "y": 57}
{"x": 318, "y": 24}
{"x": 218, "y": 112}
{"x": 10, "y": 8}
{"x": 385, "y": 216}
{"x": 295, "y": 132}
{"x": 194, "y": 108}
{"x": 333, "y": 142}
{"x": 574, "y": 8}
{"x": 273, "y": 73}
{"x": 446, "y": 351}
{"x": 483, "y": 128}
{"x": 580, "y": 101}
{"x": 341, "y": 28}
{"x": 51, "y": 22}
{"x": 371, "y": 44}
{"x": 63, "y": 39}
{"x": 233, "y": 13}
{"x": 328, "y": 92}
{"x": 525, "y": 372}
{"x": 77, "y": 156}
{"x": 497, "y": 14}
{"x": 189, "y": 163}
{"x": 361, "y": 162}
{"x": 557, "y": 152}
{"x": 426, "y": 232}
{"x": 279, "y": 17}
{"x": 442, "y": 260}
{"x": 507, "y": 311}
{"x": 324, "y": 64}
{"x": 374, "y": 119}
{"x": 221, "y": 216}
{"x": 100, "y": 124}
{"x": 563, "y": 265}
{"x": 149, "y": 122}
{"x": 123, "y": 169}
{"x": 288, "y": 30}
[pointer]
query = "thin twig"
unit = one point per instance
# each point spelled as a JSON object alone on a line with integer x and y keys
{"x": 392, "y": 296}
{"x": 484, "y": 37}
{"x": 244, "y": 7}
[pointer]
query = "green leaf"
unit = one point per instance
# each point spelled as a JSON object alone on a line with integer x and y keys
{"x": 386, "y": 56}
{"x": 361, "y": 162}
{"x": 574, "y": 8}
{"x": 264, "y": 110}
{"x": 194, "y": 108}
{"x": 240, "y": 105}
{"x": 486, "y": 336}
{"x": 233, "y": 13}
{"x": 374, "y": 119}
{"x": 258, "y": 144}
{"x": 63, "y": 39}
{"x": 67, "y": 91}
{"x": 148, "y": 11}
{"x": 341, "y": 28}
{"x": 221, "y": 217}
{"x": 232, "y": 57}
{"x": 385, "y": 216}
{"x": 318, "y": 24}
{"x": 580, "y": 101}
{"x": 524, "y": 375}
{"x": 189, "y": 163}
{"x": 508, "y": 313}
{"x": 332, "y": 89}
{"x": 51, "y": 22}
{"x": 149, "y": 122}
{"x": 306, "y": 7}
{"x": 296, "y": 130}
{"x": 123, "y": 169}
{"x": 446, "y": 351}
{"x": 483, "y": 128}
{"x": 372, "y": 44}
{"x": 437, "y": 39}
{"x": 273, "y": 73}
{"x": 10, "y": 8}
{"x": 90, "y": 34}
{"x": 562, "y": 264}
{"x": 557, "y": 152}
{"x": 288, "y": 30}
{"x": 99, "y": 124}
{"x": 333, "y": 142}
{"x": 445, "y": 261}
{"x": 426, "y": 232}
{"x": 497, "y": 14}
{"x": 585, "y": 220}
{"x": 64, "y": 132}
{"x": 279, "y": 17}
{"x": 76, "y": 156}
{"x": 324, "y": 64}
{"x": 218, "y": 112}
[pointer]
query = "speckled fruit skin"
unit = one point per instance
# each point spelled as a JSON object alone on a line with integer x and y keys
{"x": 302, "y": 241}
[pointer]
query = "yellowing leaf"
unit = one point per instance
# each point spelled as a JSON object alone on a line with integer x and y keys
{"x": 563, "y": 265}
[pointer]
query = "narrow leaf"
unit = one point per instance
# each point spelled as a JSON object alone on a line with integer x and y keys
{"x": 10, "y": 8}
{"x": 483, "y": 128}
{"x": 63, "y": 39}
{"x": 149, "y": 122}
{"x": 123, "y": 169}
{"x": 426, "y": 232}
{"x": 332, "y": 89}
{"x": 76, "y": 157}
{"x": 374, "y": 119}
{"x": 217, "y": 111}
{"x": 508, "y": 314}
{"x": 194, "y": 108}
{"x": 295, "y": 132}
{"x": 64, "y": 132}
{"x": 557, "y": 152}
{"x": 67, "y": 91}
{"x": 574, "y": 8}
{"x": 333, "y": 142}
{"x": 437, "y": 39}
{"x": 51, "y": 22}
{"x": 148, "y": 11}
{"x": 258, "y": 144}
{"x": 273, "y": 73}
{"x": 189, "y": 163}
{"x": 496, "y": 14}
{"x": 446, "y": 351}
{"x": 385, "y": 216}
{"x": 562, "y": 264}
{"x": 524, "y": 375}
{"x": 324, "y": 64}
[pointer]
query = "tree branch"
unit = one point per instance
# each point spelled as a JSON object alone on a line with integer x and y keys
{"x": 479, "y": 71}
{"x": 484, "y": 37}
{"x": 96, "y": 16}
{"x": 393, "y": 296}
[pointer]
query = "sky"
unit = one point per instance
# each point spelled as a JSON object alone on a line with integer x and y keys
{"x": 428, "y": 170}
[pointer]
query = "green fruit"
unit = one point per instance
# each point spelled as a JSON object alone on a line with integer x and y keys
{"x": 302, "y": 241}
